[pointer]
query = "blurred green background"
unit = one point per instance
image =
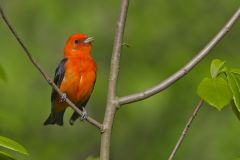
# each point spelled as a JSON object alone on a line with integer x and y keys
{"x": 163, "y": 35}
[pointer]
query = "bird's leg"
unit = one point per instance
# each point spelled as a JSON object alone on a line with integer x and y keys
{"x": 63, "y": 97}
{"x": 84, "y": 115}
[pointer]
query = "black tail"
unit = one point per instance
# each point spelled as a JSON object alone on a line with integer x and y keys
{"x": 73, "y": 118}
{"x": 55, "y": 118}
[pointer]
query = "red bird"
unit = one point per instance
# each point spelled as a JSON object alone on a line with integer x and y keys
{"x": 75, "y": 76}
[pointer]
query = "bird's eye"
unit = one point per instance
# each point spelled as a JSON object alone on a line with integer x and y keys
{"x": 76, "y": 41}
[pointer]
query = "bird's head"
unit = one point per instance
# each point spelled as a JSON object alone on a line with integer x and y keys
{"x": 78, "y": 44}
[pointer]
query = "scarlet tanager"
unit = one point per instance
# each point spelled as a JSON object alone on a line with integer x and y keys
{"x": 75, "y": 76}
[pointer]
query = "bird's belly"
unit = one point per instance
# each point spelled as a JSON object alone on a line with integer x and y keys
{"x": 78, "y": 88}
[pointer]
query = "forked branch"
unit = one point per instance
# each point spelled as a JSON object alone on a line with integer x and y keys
{"x": 112, "y": 101}
{"x": 183, "y": 71}
{"x": 112, "y": 85}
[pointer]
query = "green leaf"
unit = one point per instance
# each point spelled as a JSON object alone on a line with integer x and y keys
{"x": 6, "y": 156}
{"x": 215, "y": 92}
{"x": 11, "y": 144}
{"x": 235, "y": 110}
{"x": 216, "y": 67}
{"x": 3, "y": 74}
{"x": 235, "y": 88}
{"x": 235, "y": 70}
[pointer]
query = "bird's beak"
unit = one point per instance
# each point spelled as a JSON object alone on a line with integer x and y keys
{"x": 88, "y": 40}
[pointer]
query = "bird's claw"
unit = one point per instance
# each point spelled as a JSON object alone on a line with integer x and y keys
{"x": 84, "y": 115}
{"x": 63, "y": 97}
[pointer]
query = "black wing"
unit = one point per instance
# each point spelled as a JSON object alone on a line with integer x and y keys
{"x": 59, "y": 74}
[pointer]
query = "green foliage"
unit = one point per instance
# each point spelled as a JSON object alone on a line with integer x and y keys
{"x": 12, "y": 145}
{"x": 235, "y": 70}
{"x": 6, "y": 156}
{"x": 235, "y": 110}
{"x": 216, "y": 67}
{"x": 233, "y": 82}
{"x": 222, "y": 88}
{"x": 162, "y": 41}
{"x": 2, "y": 74}
{"x": 215, "y": 92}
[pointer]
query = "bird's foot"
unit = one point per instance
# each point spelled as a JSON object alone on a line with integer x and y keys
{"x": 84, "y": 115}
{"x": 64, "y": 97}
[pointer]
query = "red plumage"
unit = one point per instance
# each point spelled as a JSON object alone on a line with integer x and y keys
{"x": 75, "y": 76}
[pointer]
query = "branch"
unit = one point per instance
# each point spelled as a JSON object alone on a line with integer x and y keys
{"x": 114, "y": 69}
{"x": 44, "y": 74}
{"x": 186, "y": 128}
{"x": 183, "y": 71}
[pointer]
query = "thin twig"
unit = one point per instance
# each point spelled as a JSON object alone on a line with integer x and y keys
{"x": 183, "y": 71}
{"x": 114, "y": 69}
{"x": 186, "y": 128}
{"x": 44, "y": 74}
